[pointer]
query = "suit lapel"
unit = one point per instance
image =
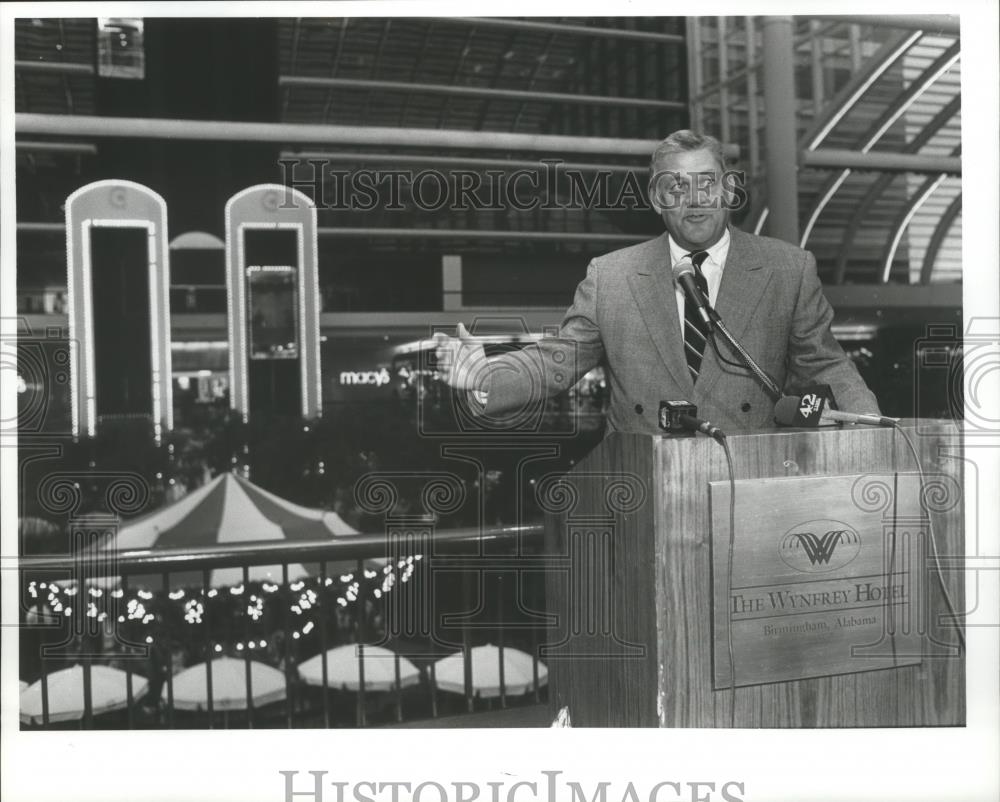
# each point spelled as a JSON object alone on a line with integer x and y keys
{"x": 744, "y": 279}
{"x": 652, "y": 287}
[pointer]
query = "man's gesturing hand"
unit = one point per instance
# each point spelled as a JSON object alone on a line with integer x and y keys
{"x": 461, "y": 360}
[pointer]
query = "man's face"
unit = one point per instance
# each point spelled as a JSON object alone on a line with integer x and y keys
{"x": 690, "y": 199}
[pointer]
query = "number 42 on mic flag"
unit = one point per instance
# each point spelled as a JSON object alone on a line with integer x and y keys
{"x": 815, "y": 399}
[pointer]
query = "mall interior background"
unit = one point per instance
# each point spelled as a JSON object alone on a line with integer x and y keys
{"x": 877, "y": 199}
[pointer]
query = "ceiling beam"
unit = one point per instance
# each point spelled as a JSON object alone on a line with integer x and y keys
{"x": 79, "y": 125}
{"x": 523, "y": 95}
{"x": 536, "y": 26}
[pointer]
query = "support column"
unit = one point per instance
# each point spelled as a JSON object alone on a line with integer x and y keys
{"x": 780, "y": 136}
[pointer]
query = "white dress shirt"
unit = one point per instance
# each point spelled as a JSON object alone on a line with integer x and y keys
{"x": 712, "y": 269}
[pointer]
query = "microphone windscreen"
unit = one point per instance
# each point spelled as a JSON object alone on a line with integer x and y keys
{"x": 682, "y": 267}
{"x": 786, "y": 408}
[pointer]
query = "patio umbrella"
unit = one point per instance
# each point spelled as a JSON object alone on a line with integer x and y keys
{"x": 342, "y": 669}
{"x": 449, "y": 672}
{"x": 227, "y": 510}
{"x": 108, "y": 691}
{"x": 229, "y": 691}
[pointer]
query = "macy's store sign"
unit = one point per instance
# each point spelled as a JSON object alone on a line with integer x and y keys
{"x": 371, "y": 377}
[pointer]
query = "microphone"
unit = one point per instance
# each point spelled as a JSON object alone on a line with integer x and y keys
{"x": 794, "y": 410}
{"x": 854, "y": 417}
{"x": 677, "y": 417}
{"x": 683, "y": 273}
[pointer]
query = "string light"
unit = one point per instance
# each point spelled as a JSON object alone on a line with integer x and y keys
{"x": 193, "y": 611}
{"x": 255, "y": 609}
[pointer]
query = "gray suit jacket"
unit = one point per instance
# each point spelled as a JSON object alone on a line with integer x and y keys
{"x": 624, "y": 315}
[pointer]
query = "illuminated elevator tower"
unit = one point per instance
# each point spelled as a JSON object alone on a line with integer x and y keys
{"x": 272, "y": 286}
{"x": 118, "y": 275}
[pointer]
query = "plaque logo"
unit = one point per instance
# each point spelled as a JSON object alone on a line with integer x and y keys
{"x": 815, "y": 547}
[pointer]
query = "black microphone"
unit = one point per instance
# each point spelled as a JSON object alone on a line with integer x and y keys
{"x": 788, "y": 412}
{"x": 684, "y": 275}
{"x": 681, "y": 416}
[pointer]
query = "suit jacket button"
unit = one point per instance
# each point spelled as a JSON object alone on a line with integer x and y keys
{"x": 745, "y": 406}
{"x": 638, "y": 408}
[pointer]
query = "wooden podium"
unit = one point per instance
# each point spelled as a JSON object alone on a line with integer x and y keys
{"x": 644, "y": 605}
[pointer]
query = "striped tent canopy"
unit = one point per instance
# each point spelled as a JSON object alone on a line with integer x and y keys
{"x": 227, "y": 510}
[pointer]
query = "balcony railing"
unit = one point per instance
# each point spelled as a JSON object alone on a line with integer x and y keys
{"x": 158, "y": 615}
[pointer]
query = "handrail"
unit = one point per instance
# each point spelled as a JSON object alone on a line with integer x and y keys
{"x": 345, "y": 547}
{"x": 848, "y": 96}
{"x": 882, "y": 183}
{"x": 892, "y": 113}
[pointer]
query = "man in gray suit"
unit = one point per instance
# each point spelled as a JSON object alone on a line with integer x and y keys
{"x": 630, "y": 315}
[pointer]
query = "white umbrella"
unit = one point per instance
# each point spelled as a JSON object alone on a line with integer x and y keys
{"x": 229, "y": 690}
{"x": 108, "y": 691}
{"x": 342, "y": 669}
{"x": 449, "y": 672}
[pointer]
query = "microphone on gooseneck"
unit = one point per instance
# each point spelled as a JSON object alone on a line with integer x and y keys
{"x": 684, "y": 275}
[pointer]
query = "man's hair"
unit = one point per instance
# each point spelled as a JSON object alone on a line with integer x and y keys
{"x": 679, "y": 142}
{"x": 685, "y": 140}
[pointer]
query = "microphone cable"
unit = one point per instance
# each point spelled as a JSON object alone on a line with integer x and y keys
{"x": 724, "y": 360}
{"x": 770, "y": 387}
{"x": 729, "y": 581}
{"x": 719, "y": 436}
{"x": 938, "y": 571}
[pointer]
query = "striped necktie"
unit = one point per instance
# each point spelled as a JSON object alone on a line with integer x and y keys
{"x": 695, "y": 333}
